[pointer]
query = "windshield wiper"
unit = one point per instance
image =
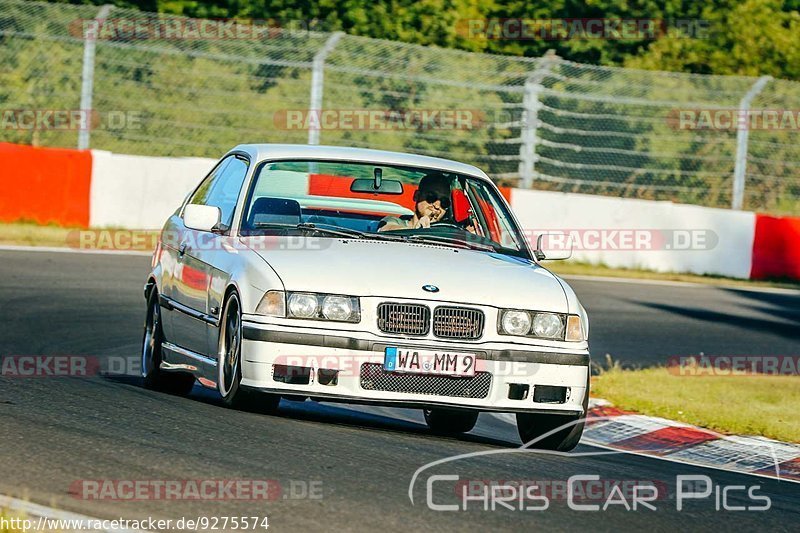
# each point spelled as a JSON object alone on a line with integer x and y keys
{"x": 313, "y": 228}
{"x": 336, "y": 230}
{"x": 386, "y": 236}
{"x": 469, "y": 245}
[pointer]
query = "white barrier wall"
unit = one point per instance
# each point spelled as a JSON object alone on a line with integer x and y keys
{"x": 690, "y": 238}
{"x": 140, "y": 192}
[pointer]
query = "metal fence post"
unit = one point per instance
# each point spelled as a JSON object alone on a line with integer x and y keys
{"x": 742, "y": 137}
{"x": 317, "y": 82}
{"x": 87, "y": 77}
{"x": 530, "y": 118}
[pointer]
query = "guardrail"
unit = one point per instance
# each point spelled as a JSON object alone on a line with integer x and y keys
{"x": 100, "y": 189}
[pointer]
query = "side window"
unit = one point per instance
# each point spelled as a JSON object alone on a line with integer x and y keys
{"x": 495, "y": 217}
{"x": 221, "y": 188}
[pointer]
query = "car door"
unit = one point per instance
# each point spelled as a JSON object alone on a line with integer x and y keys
{"x": 191, "y": 280}
{"x": 172, "y": 237}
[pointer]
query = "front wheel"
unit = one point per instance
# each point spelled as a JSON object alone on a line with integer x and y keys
{"x": 229, "y": 363}
{"x": 449, "y": 421}
{"x": 155, "y": 378}
{"x": 533, "y": 425}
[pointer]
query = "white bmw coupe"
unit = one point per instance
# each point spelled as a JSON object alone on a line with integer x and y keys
{"x": 364, "y": 276}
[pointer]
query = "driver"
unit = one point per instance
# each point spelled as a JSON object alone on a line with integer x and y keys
{"x": 432, "y": 199}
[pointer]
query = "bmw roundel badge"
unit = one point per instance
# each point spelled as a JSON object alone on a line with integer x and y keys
{"x": 430, "y": 288}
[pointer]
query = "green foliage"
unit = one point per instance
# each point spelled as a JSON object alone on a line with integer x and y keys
{"x": 600, "y": 130}
{"x": 748, "y": 38}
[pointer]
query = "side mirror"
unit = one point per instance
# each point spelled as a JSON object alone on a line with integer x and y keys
{"x": 201, "y": 217}
{"x": 553, "y": 247}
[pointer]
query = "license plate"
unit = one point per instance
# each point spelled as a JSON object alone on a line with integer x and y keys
{"x": 416, "y": 361}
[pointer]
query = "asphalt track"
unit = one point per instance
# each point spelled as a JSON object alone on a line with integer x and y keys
{"x": 56, "y": 431}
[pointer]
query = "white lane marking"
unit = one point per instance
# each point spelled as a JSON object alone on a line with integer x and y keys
{"x": 668, "y": 283}
{"x": 688, "y": 461}
{"x": 65, "y": 250}
{"x": 623, "y": 427}
{"x": 725, "y": 453}
{"x": 745, "y": 453}
{"x": 35, "y": 510}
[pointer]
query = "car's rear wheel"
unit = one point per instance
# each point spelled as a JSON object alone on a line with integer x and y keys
{"x": 155, "y": 378}
{"x": 533, "y": 425}
{"x": 450, "y": 421}
{"x": 230, "y": 364}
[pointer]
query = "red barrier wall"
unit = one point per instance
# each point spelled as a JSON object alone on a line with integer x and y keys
{"x": 45, "y": 185}
{"x": 327, "y": 185}
{"x": 776, "y": 248}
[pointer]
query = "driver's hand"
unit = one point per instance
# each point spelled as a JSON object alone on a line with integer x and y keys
{"x": 423, "y": 222}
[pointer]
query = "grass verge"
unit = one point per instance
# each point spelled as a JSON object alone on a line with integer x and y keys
{"x": 745, "y": 405}
{"x": 26, "y": 234}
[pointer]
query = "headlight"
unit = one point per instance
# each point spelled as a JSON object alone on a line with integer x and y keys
{"x": 547, "y": 325}
{"x": 303, "y": 305}
{"x": 316, "y": 306}
{"x": 516, "y": 322}
{"x": 542, "y": 325}
{"x": 337, "y": 308}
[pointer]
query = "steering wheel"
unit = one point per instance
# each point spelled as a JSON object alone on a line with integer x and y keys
{"x": 447, "y": 225}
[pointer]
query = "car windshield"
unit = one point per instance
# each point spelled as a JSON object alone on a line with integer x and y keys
{"x": 365, "y": 200}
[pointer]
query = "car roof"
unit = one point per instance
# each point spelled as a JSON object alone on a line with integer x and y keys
{"x": 261, "y": 152}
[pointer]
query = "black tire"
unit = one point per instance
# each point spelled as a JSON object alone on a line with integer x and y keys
{"x": 533, "y": 425}
{"x": 450, "y": 421}
{"x": 178, "y": 383}
{"x": 230, "y": 368}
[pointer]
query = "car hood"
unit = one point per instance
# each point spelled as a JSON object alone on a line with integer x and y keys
{"x": 400, "y": 270}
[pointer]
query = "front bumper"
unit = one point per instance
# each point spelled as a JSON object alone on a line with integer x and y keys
{"x": 333, "y": 367}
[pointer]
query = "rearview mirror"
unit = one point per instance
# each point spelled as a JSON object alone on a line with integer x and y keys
{"x": 553, "y": 246}
{"x": 384, "y": 187}
{"x": 201, "y": 217}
